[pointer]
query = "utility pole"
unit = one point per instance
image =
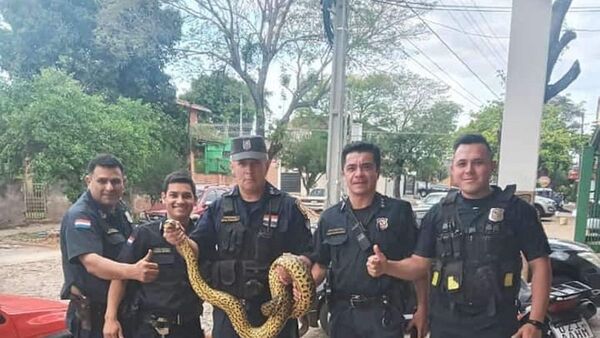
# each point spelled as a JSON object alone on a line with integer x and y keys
{"x": 241, "y": 109}
{"x": 337, "y": 117}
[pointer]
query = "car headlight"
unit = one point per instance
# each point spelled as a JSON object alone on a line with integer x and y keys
{"x": 559, "y": 255}
{"x": 590, "y": 257}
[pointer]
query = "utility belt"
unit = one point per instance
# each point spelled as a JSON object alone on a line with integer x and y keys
{"x": 162, "y": 323}
{"x": 360, "y": 301}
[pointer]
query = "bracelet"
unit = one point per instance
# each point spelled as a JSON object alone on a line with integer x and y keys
{"x": 539, "y": 325}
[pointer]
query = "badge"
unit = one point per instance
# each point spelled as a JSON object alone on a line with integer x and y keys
{"x": 246, "y": 145}
{"x": 496, "y": 215}
{"x": 382, "y": 223}
{"x": 128, "y": 217}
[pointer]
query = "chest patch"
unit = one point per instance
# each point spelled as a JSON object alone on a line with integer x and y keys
{"x": 336, "y": 231}
{"x": 161, "y": 250}
{"x": 382, "y": 223}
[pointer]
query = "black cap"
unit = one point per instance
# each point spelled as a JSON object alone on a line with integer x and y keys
{"x": 248, "y": 147}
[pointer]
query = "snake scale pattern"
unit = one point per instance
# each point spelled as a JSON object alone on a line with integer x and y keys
{"x": 281, "y": 307}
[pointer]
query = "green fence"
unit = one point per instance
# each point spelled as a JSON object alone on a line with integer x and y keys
{"x": 587, "y": 222}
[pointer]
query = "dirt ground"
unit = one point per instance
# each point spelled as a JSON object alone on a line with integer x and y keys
{"x": 30, "y": 261}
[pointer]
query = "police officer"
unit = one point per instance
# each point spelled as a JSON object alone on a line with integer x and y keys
{"x": 242, "y": 233}
{"x": 348, "y": 232}
{"x": 167, "y": 307}
{"x": 474, "y": 238}
{"x": 92, "y": 233}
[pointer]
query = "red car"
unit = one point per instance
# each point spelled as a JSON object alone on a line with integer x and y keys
{"x": 30, "y": 317}
{"x": 205, "y": 197}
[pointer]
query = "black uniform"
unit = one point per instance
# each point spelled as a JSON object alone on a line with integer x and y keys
{"x": 475, "y": 246}
{"x": 86, "y": 228}
{"x": 239, "y": 240}
{"x": 362, "y": 306}
{"x": 169, "y": 301}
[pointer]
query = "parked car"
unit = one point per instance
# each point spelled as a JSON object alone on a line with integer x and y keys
{"x": 429, "y": 188}
{"x": 549, "y": 193}
{"x": 426, "y": 203}
{"x": 206, "y": 197}
{"x": 545, "y": 207}
{"x": 30, "y": 317}
{"x": 315, "y": 199}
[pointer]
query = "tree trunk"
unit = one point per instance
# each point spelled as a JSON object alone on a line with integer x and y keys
{"x": 397, "y": 187}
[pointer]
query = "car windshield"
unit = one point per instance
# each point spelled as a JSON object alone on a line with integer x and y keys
{"x": 433, "y": 198}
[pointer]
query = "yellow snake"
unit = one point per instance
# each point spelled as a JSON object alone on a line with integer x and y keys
{"x": 281, "y": 307}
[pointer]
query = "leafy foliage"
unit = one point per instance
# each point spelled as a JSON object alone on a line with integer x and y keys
{"x": 305, "y": 147}
{"x": 117, "y": 48}
{"x": 56, "y": 127}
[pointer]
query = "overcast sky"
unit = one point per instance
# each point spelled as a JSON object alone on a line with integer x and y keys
{"x": 479, "y": 35}
{"x": 486, "y": 55}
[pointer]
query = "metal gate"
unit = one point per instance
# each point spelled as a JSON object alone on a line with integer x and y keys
{"x": 587, "y": 222}
{"x": 35, "y": 200}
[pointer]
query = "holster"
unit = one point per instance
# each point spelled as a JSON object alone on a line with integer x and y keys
{"x": 83, "y": 308}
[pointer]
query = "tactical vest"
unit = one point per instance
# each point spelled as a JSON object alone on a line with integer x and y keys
{"x": 246, "y": 251}
{"x": 477, "y": 265}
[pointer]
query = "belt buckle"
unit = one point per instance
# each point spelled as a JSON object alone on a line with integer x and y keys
{"x": 161, "y": 325}
{"x": 356, "y": 300}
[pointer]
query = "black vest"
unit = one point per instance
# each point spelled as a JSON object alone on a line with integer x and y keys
{"x": 246, "y": 251}
{"x": 477, "y": 265}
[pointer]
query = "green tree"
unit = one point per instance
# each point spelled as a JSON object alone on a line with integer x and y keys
{"x": 221, "y": 94}
{"x": 117, "y": 48}
{"x": 409, "y": 117}
{"x": 250, "y": 37}
{"x": 54, "y": 126}
{"x": 560, "y": 138}
{"x": 305, "y": 147}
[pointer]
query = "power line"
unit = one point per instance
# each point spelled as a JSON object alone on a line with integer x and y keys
{"x": 453, "y": 52}
{"x": 481, "y": 9}
{"x": 501, "y": 60}
{"x": 475, "y": 44}
{"x": 465, "y": 32}
{"x": 479, "y": 102}
{"x": 489, "y": 27}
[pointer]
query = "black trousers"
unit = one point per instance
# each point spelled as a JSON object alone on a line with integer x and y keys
{"x": 222, "y": 327}
{"x": 454, "y": 324}
{"x": 365, "y": 322}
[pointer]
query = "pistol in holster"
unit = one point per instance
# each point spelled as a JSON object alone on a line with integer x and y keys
{"x": 83, "y": 308}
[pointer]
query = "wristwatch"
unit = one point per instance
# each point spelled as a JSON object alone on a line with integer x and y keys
{"x": 539, "y": 325}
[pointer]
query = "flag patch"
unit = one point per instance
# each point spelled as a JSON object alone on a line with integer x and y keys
{"x": 83, "y": 223}
{"x": 130, "y": 240}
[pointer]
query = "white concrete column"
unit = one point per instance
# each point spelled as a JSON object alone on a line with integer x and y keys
{"x": 525, "y": 86}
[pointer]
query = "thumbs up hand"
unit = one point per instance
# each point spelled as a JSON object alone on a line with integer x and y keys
{"x": 377, "y": 263}
{"x": 146, "y": 270}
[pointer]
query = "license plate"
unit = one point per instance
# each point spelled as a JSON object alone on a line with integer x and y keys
{"x": 577, "y": 329}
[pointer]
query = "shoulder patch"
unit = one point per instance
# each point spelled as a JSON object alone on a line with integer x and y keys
{"x": 83, "y": 223}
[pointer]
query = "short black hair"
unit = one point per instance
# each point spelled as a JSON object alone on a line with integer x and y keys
{"x": 362, "y": 147}
{"x": 473, "y": 139}
{"x": 180, "y": 176}
{"x": 105, "y": 160}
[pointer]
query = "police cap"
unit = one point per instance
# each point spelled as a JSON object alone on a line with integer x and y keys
{"x": 248, "y": 147}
